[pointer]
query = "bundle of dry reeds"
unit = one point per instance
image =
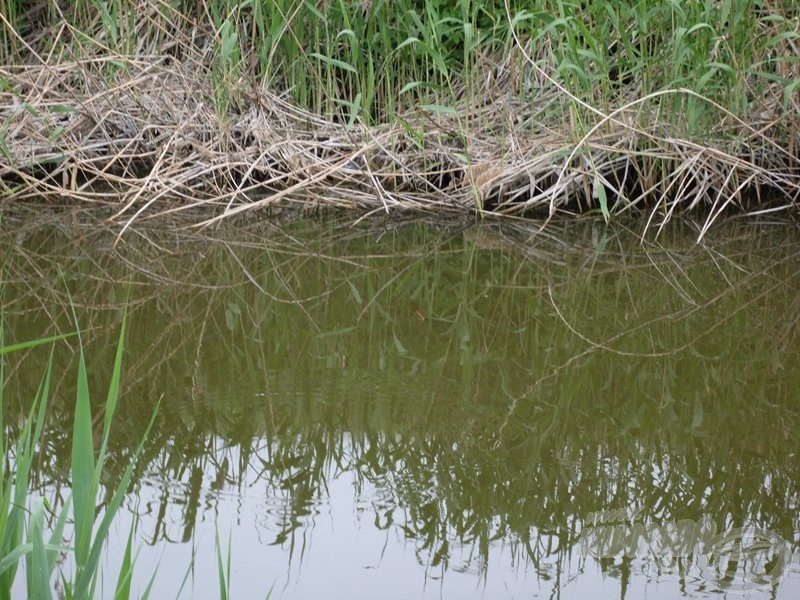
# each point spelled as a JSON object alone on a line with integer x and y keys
{"x": 144, "y": 136}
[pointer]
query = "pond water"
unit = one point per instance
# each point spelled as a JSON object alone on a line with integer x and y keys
{"x": 406, "y": 409}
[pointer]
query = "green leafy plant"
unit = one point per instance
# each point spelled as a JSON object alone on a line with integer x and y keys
{"x": 23, "y": 530}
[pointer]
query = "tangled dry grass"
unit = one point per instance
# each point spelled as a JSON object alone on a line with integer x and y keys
{"x": 144, "y": 138}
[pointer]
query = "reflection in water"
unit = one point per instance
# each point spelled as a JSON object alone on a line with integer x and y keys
{"x": 446, "y": 411}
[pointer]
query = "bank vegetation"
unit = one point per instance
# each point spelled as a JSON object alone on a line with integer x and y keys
{"x": 218, "y": 108}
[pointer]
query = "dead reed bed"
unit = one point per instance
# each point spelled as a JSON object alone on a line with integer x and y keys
{"x": 144, "y": 135}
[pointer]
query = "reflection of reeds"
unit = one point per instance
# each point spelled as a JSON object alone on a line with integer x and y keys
{"x": 540, "y": 388}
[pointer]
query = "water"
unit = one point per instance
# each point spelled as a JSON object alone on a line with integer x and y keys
{"x": 405, "y": 409}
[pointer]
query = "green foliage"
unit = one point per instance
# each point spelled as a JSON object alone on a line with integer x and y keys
{"x": 370, "y": 59}
{"x": 694, "y": 72}
{"x": 223, "y": 565}
{"x": 89, "y": 534}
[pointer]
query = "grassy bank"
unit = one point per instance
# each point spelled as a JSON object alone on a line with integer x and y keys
{"x": 150, "y": 107}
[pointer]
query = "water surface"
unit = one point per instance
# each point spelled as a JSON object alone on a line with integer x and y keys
{"x": 407, "y": 409}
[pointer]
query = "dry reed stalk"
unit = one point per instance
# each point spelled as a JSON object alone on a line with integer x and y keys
{"x": 143, "y": 139}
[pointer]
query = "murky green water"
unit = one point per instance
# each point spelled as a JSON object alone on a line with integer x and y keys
{"x": 406, "y": 410}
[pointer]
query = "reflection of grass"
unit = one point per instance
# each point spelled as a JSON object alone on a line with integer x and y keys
{"x": 532, "y": 394}
{"x": 22, "y": 530}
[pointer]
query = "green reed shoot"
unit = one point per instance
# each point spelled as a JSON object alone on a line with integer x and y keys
{"x": 374, "y": 59}
{"x": 18, "y": 523}
{"x": 223, "y": 565}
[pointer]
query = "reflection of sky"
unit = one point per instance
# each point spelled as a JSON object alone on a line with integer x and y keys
{"x": 337, "y": 551}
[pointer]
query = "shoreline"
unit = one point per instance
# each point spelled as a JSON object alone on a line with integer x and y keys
{"x": 147, "y": 136}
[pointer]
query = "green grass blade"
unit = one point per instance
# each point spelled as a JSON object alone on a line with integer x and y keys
{"x": 148, "y": 589}
{"x": 38, "y": 573}
{"x": 58, "y": 532}
{"x": 224, "y": 583}
{"x": 12, "y": 522}
{"x": 123, "y": 591}
{"x": 83, "y": 492}
{"x": 334, "y": 62}
{"x": 113, "y": 396}
{"x": 41, "y": 402}
{"x": 230, "y": 555}
{"x": 189, "y": 570}
{"x": 85, "y": 579}
{"x": 12, "y": 558}
{"x": 33, "y": 343}
{"x": 599, "y": 192}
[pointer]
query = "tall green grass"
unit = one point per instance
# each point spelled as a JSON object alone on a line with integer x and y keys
{"x": 370, "y": 59}
{"x": 26, "y": 517}
{"x": 354, "y": 59}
